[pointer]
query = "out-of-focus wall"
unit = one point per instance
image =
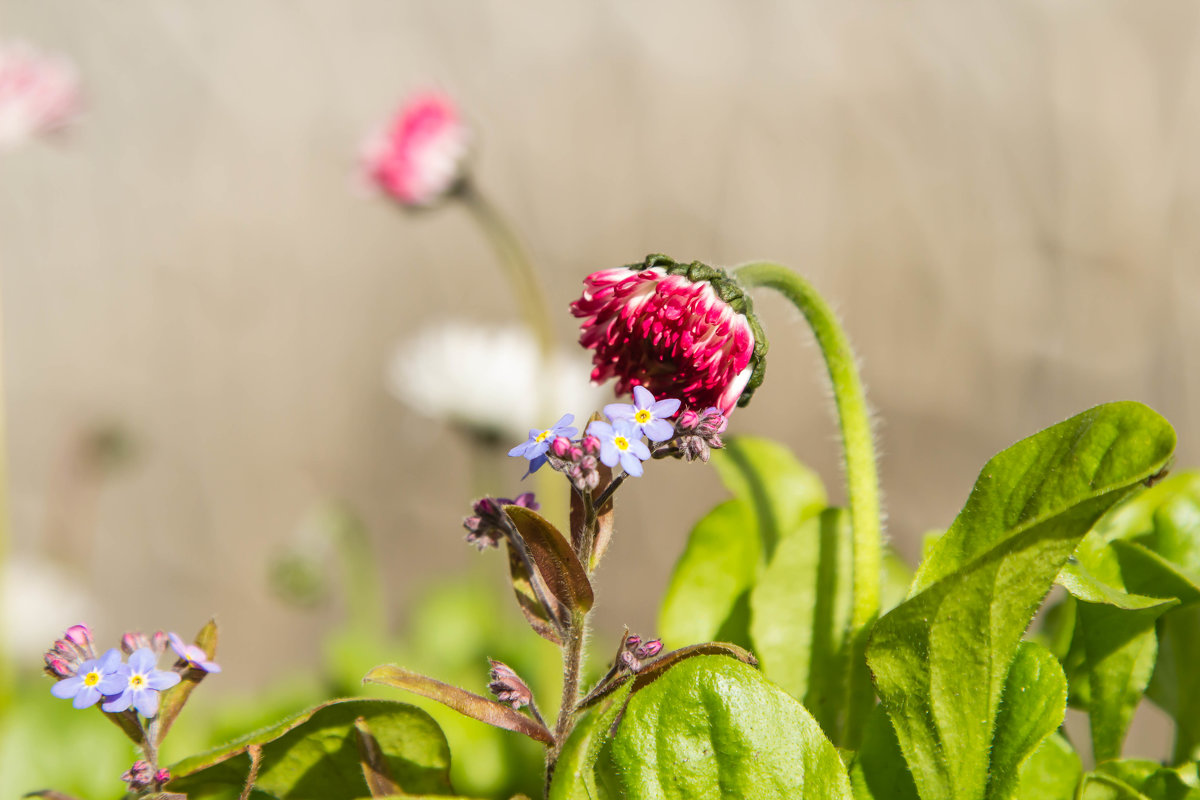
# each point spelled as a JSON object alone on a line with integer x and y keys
{"x": 1001, "y": 199}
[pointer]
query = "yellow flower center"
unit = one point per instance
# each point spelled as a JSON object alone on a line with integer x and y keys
{"x": 91, "y": 679}
{"x": 542, "y": 436}
{"x": 642, "y": 416}
{"x": 137, "y": 681}
{"x": 621, "y": 442}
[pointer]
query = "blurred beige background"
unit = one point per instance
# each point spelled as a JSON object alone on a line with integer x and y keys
{"x": 1000, "y": 198}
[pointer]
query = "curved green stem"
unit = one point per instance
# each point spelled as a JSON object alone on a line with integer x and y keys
{"x": 862, "y": 479}
{"x": 514, "y": 260}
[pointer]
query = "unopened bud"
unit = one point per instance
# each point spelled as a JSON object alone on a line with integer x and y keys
{"x": 590, "y": 445}
{"x": 508, "y": 686}
{"x": 80, "y": 636}
{"x": 140, "y": 776}
{"x": 633, "y": 652}
{"x": 134, "y": 640}
{"x": 560, "y": 447}
{"x": 57, "y": 667}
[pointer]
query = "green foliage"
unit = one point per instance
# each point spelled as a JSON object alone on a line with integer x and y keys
{"x": 713, "y": 727}
{"x": 314, "y": 755}
{"x": 713, "y": 575}
{"x": 941, "y": 659}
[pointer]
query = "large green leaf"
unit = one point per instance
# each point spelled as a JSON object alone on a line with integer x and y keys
{"x": 1032, "y": 708}
{"x": 800, "y": 615}
{"x": 940, "y": 659}
{"x": 780, "y": 490}
{"x": 713, "y": 727}
{"x": 717, "y": 567}
{"x": 314, "y": 756}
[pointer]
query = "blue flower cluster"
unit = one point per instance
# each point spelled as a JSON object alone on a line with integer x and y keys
{"x": 619, "y": 440}
{"x": 86, "y": 679}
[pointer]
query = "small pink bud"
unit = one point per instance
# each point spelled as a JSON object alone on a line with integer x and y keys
{"x": 158, "y": 643}
{"x": 688, "y": 420}
{"x": 134, "y": 640}
{"x": 58, "y": 667}
{"x": 80, "y": 636}
{"x": 561, "y": 446}
{"x": 591, "y": 445}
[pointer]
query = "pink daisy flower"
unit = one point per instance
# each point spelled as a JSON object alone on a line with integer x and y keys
{"x": 680, "y": 330}
{"x": 39, "y": 93}
{"x": 419, "y": 158}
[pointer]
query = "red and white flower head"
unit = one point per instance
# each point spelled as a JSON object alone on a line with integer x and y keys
{"x": 420, "y": 157}
{"x": 681, "y": 330}
{"x": 39, "y": 93}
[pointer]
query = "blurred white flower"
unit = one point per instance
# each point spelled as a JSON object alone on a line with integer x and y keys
{"x": 39, "y": 93}
{"x": 40, "y": 600}
{"x": 490, "y": 380}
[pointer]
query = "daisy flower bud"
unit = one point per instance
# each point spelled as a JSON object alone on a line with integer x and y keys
{"x": 419, "y": 159}
{"x": 684, "y": 331}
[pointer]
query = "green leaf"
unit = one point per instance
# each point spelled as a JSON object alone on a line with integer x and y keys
{"x": 1051, "y": 773}
{"x": 780, "y": 490}
{"x": 1175, "y": 685}
{"x": 1114, "y": 650}
{"x": 1139, "y": 779}
{"x": 313, "y": 754}
{"x": 462, "y": 701}
{"x": 717, "y": 567}
{"x": 1032, "y": 708}
{"x": 714, "y": 727}
{"x": 575, "y": 772}
{"x": 878, "y": 770}
{"x": 800, "y": 615}
{"x": 941, "y": 658}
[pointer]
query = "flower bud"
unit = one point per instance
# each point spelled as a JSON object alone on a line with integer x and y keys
{"x": 560, "y": 447}
{"x": 57, "y": 667}
{"x": 489, "y": 525}
{"x": 134, "y": 640}
{"x": 508, "y": 686}
{"x": 140, "y": 776}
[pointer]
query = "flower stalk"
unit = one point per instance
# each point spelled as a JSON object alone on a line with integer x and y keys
{"x": 862, "y": 479}
{"x": 515, "y": 261}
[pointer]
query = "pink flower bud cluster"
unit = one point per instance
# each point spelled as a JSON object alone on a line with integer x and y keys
{"x": 579, "y": 461}
{"x": 699, "y": 432}
{"x": 507, "y": 686}
{"x": 676, "y": 337}
{"x": 142, "y": 776}
{"x": 66, "y": 654}
{"x": 488, "y": 526}
{"x": 136, "y": 640}
{"x": 634, "y": 652}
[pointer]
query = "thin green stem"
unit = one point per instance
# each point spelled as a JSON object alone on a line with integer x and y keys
{"x": 862, "y": 479}
{"x": 516, "y": 263}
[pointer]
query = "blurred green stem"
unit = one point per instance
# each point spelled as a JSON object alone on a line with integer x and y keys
{"x": 516, "y": 263}
{"x": 7, "y": 671}
{"x": 862, "y": 479}
{"x": 364, "y": 593}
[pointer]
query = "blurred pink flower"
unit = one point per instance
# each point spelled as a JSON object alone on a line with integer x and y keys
{"x": 660, "y": 328}
{"x": 39, "y": 93}
{"x": 419, "y": 158}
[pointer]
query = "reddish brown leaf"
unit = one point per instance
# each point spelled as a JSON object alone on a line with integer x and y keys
{"x": 462, "y": 701}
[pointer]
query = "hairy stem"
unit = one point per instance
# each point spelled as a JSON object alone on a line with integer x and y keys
{"x": 573, "y": 646}
{"x": 862, "y": 479}
{"x": 514, "y": 260}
